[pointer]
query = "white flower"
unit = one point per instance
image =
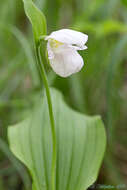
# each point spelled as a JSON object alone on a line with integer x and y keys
{"x": 62, "y": 49}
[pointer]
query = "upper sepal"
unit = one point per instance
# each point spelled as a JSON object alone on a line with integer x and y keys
{"x": 36, "y": 18}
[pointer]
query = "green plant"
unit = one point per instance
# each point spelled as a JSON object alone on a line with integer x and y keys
{"x": 63, "y": 149}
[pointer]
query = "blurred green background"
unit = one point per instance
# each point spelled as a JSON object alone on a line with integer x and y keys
{"x": 100, "y": 88}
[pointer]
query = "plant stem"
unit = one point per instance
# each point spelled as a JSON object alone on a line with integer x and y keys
{"x": 52, "y": 121}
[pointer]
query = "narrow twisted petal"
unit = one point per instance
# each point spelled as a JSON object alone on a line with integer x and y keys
{"x": 68, "y": 36}
{"x": 66, "y": 62}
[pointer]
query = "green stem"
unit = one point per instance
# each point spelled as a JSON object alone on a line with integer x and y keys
{"x": 52, "y": 122}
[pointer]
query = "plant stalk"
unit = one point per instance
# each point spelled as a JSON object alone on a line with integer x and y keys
{"x": 52, "y": 121}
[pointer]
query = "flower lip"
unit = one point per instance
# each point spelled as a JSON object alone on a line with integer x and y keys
{"x": 67, "y": 63}
{"x": 69, "y": 37}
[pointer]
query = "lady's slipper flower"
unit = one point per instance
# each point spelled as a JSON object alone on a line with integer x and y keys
{"x": 62, "y": 49}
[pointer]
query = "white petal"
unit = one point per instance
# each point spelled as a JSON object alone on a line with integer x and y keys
{"x": 68, "y": 36}
{"x": 67, "y": 62}
{"x": 50, "y": 52}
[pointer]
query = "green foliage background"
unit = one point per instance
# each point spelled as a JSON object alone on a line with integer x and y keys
{"x": 100, "y": 88}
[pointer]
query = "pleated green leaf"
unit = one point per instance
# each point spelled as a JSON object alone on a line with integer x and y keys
{"x": 81, "y": 144}
{"x": 36, "y": 18}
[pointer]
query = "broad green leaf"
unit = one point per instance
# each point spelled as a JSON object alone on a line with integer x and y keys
{"x": 81, "y": 144}
{"x": 36, "y": 18}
